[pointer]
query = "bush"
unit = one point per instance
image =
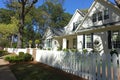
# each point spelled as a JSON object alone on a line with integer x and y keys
{"x": 65, "y": 50}
{"x": 85, "y": 51}
{"x": 21, "y": 54}
{"x": 2, "y": 53}
{"x": 21, "y": 58}
{"x": 27, "y": 57}
{"x": 113, "y": 52}
{"x": 37, "y": 41}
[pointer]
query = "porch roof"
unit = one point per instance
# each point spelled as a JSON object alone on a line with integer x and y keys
{"x": 100, "y": 28}
{"x": 66, "y": 35}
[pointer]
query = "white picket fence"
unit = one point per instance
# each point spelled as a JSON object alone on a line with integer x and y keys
{"x": 89, "y": 66}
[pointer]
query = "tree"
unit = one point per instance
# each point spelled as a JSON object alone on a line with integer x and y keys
{"x": 117, "y": 2}
{"x": 5, "y": 16}
{"x": 22, "y": 8}
{"x": 55, "y": 15}
{"x": 7, "y": 31}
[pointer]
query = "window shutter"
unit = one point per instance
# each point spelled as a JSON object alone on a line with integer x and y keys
{"x": 109, "y": 40}
{"x": 83, "y": 40}
{"x": 92, "y": 40}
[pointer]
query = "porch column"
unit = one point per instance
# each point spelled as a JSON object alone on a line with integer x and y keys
{"x": 64, "y": 43}
{"x": 80, "y": 42}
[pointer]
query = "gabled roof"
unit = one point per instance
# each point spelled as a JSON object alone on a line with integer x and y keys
{"x": 92, "y": 6}
{"x": 84, "y": 11}
{"x": 77, "y": 11}
{"x": 54, "y": 32}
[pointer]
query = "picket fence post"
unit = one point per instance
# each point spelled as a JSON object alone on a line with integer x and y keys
{"x": 114, "y": 58}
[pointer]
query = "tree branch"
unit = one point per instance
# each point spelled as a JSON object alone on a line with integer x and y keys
{"x": 31, "y": 5}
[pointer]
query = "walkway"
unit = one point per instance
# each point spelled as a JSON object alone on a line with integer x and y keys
{"x": 5, "y": 72}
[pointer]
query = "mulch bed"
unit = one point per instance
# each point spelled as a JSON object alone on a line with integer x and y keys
{"x": 58, "y": 72}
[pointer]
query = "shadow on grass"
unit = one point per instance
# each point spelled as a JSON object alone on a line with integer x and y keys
{"x": 39, "y": 71}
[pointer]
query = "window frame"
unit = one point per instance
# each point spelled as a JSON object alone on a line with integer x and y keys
{"x": 94, "y": 17}
{"x": 115, "y": 42}
{"x": 100, "y": 16}
{"x": 89, "y": 43}
{"x": 74, "y": 43}
{"x": 106, "y": 14}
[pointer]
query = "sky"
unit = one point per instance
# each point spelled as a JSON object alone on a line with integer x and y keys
{"x": 69, "y": 5}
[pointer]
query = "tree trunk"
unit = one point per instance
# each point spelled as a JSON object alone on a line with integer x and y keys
{"x": 19, "y": 42}
{"x": 21, "y": 26}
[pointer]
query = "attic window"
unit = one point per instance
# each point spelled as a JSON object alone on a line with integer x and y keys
{"x": 94, "y": 17}
{"x": 106, "y": 14}
{"x": 99, "y": 16}
{"x": 75, "y": 24}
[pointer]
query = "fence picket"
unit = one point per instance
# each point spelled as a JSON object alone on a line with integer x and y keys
{"x": 104, "y": 67}
{"x": 114, "y": 58}
{"x": 109, "y": 67}
{"x": 89, "y": 66}
{"x": 98, "y": 67}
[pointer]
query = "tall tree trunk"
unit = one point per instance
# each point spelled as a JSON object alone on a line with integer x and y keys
{"x": 23, "y": 12}
{"x": 21, "y": 26}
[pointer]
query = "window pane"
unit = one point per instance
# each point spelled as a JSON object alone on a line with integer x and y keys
{"x": 106, "y": 13}
{"x": 116, "y": 39}
{"x": 99, "y": 16}
{"x": 89, "y": 41}
{"x": 94, "y": 18}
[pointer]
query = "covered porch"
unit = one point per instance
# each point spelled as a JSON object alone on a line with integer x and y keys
{"x": 67, "y": 41}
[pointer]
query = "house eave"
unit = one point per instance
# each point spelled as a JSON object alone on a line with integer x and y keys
{"x": 66, "y": 35}
{"x": 99, "y": 29}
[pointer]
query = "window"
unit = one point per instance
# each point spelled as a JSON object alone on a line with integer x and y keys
{"x": 116, "y": 39}
{"x": 75, "y": 24}
{"x": 49, "y": 42}
{"x": 89, "y": 41}
{"x": 74, "y": 43}
{"x": 94, "y": 17}
{"x": 99, "y": 16}
{"x": 106, "y": 14}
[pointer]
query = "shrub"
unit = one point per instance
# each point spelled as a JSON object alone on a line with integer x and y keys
{"x": 74, "y": 50}
{"x": 85, "y": 51}
{"x": 66, "y": 50}
{"x": 2, "y": 53}
{"x": 27, "y": 57}
{"x": 59, "y": 48}
{"x": 113, "y": 52}
{"x": 37, "y": 41}
{"x": 30, "y": 41}
{"x": 21, "y": 58}
{"x": 49, "y": 49}
{"x": 21, "y": 54}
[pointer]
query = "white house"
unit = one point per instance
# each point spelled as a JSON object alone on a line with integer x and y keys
{"x": 69, "y": 39}
{"x": 98, "y": 30}
{"x": 48, "y": 40}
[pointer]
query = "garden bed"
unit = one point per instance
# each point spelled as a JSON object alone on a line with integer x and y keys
{"x": 39, "y": 71}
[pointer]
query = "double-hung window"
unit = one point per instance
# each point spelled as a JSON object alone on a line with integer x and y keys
{"x": 89, "y": 41}
{"x": 116, "y": 39}
{"x": 99, "y": 16}
{"x": 74, "y": 43}
{"x": 94, "y": 17}
{"x": 106, "y": 14}
{"x": 49, "y": 42}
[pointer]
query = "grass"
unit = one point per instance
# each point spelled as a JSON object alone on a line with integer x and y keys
{"x": 38, "y": 71}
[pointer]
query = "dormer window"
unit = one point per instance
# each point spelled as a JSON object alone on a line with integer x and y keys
{"x": 106, "y": 14}
{"x": 94, "y": 17}
{"x": 99, "y": 16}
{"x": 75, "y": 24}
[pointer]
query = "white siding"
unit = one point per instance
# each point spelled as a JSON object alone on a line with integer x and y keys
{"x": 114, "y": 14}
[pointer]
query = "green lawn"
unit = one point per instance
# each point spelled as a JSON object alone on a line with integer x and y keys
{"x": 38, "y": 71}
